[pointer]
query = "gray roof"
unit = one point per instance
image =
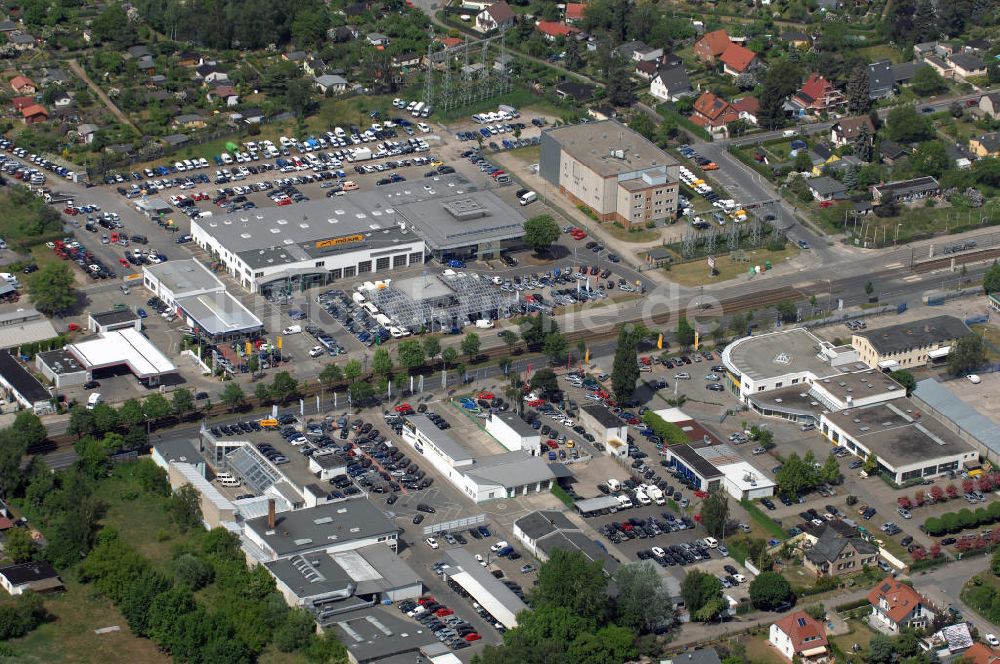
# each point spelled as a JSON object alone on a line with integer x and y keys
{"x": 899, "y": 432}
{"x": 592, "y": 142}
{"x": 26, "y": 331}
{"x": 511, "y": 469}
{"x": 575, "y": 540}
{"x": 184, "y": 276}
{"x": 114, "y": 316}
{"x": 519, "y": 426}
{"x": 178, "y": 449}
{"x": 189, "y": 117}
{"x": 453, "y": 213}
{"x": 702, "y": 656}
{"x": 373, "y": 634}
{"x": 915, "y": 334}
{"x": 826, "y": 186}
{"x": 990, "y": 142}
{"x": 370, "y": 569}
{"x": 892, "y": 150}
{"x": 21, "y": 38}
{"x": 675, "y": 78}
{"x": 541, "y": 523}
{"x": 465, "y": 560}
{"x": 968, "y": 61}
{"x": 603, "y": 416}
{"x": 219, "y": 313}
{"x": 176, "y": 139}
{"x": 21, "y": 380}
{"x": 441, "y": 439}
{"x": 328, "y": 80}
{"x": 324, "y": 525}
{"x": 595, "y": 504}
{"x": 696, "y": 462}
{"x": 779, "y": 353}
{"x": 831, "y": 543}
{"x": 968, "y": 419}
{"x": 922, "y": 184}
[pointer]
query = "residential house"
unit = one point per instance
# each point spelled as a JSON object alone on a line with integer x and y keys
{"x": 23, "y": 85}
{"x": 818, "y": 95}
{"x": 449, "y": 42}
{"x": 670, "y": 83}
{"x": 924, "y": 49}
{"x": 981, "y": 653}
{"x": 22, "y": 102}
{"x": 940, "y": 66}
{"x": 157, "y": 80}
{"x": 210, "y": 74}
{"x": 253, "y": 116}
{"x": 798, "y": 635}
{"x": 189, "y": 59}
{"x": 891, "y": 152}
{"x": 712, "y": 45}
{"x": 990, "y": 105}
{"x": 574, "y": 12}
{"x": 837, "y": 551}
{"x": 797, "y": 39}
{"x": 710, "y": 110}
{"x": 331, "y": 82}
{"x": 314, "y": 67}
{"x": 579, "y": 92}
{"x": 885, "y": 78}
{"x": 825, "y": 188}
{"x": 226, "y": 94}
{"x": 34, "y": 113}
{"x": 748, "y": 108}
{"x": 22, "y": 41}
{"x": 738, "y": 60}
{"x": 498, "y": 16}
{"x": 904, "y": 191}
{"x": 87, "y": 132}
{"x": 405, "y": 60}
{"x": 54, "y": 76}
{"x": 190, "y": 121}
{"x": 553, "y": 30}
{"x": 377, "y": 39}
{"x": 146, "y": 64}
{"x": 845, "y": 131}
{"x": 968, "y": 64}
{"x": 8, "y": 26}
{"x": 138, "y": 51}
{"x": 646, "y": 69}
{"x": 639, "y": 52}
{"x": 37, "y": 576}
{"x": 62, "y": 99}
{"x": 295, "y": 56}
{"x": 985, "y": 145}
{"x": 896, "y": 605}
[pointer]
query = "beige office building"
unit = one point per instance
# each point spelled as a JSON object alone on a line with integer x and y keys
{"x": 612, "y": 170}
{"x": 909, "y": 345}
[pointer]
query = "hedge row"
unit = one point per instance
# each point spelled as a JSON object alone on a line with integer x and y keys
{"x": 669, "y": 433}
{"x": 953, "y": 522}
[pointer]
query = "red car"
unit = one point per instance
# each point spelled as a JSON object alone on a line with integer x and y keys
{"x": 425, "y": 600}
{"x": 124, "y": 262}
{"x": 443, "y": 611}
{"x": 285, "y": 201}
{"x": 535, "y": 403}
{"x": 472, "y": 637}
{"x": 486, "y": 395}
{"x": 700, "y": 494}
{"x": 553, "y": 445}
{"x": 71, "y": 211}
{"x": 404, "y": 409}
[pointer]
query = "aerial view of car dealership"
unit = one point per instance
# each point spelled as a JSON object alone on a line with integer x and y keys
{"x": 500, "y": 332}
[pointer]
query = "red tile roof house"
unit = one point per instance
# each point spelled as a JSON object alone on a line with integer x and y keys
{"x": 574, "y": 12}
{"x": 748, "y": 108}
{"x": 22, "y": 102}
{"x": 23, "y": 85}
{"x": 818, "y": 95}
{"x": 712, "y": 45}
{"x": 896, "y": 605}
{"x": 738, "y": 59}
{"x": 34, "y": 114}
{"x": 713, "y": 111}
{"x": 553, "y": 30}
{"x": 798, "y": 635}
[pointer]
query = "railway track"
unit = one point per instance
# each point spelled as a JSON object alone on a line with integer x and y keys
{"x": 960, "y": 259}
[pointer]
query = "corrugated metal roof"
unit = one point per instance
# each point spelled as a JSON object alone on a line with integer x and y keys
{"x": 943, "y": 400}
{"x": 27, "y": 332}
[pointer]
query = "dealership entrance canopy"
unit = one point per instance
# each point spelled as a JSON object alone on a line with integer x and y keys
{"x": 127, "y": 346}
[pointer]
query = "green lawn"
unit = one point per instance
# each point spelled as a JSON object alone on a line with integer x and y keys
{"x": 139, "y": 516}
{"x": 882, "y": 51}
{"x": 529, "y": 155}
{"x": 69, "y": 637}
{"x": 695, "y": 273}
{"x": 634, "y": 235}
{"x": 766, "y": 523}
{"x": 520, "y": 98}
{"x": 913, "y": 222}
{"x": 860, "y": 633}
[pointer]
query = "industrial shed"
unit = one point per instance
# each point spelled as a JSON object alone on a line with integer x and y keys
{"x": 494, "y": 596}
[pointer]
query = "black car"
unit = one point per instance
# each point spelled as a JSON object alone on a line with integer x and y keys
{"x": 91, "y": 384}
{"x": 418, "y": 518}
{"x": 423, "y": 507}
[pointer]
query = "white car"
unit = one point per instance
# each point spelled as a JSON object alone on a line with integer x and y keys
{"x": 431, "y": 542}
{"x": 739, "y": 578}
{"x": 423, "y": 127}
{"x": 992, "y": 640}
{"x": 499, "y": 545}
{"x": 974, "y": 379}
{"x": 316, "y": 351}
{"x": 480, "y": 559}
{"x": 658, "y": 552}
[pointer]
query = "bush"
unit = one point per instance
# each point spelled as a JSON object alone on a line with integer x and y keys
{"x": 934, "y": 526}
{"x": 670, "y": 433}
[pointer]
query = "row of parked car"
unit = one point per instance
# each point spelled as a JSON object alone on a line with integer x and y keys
{"x": 357, "y": 320}
{"x": 38, "y": 160}
{"x": 441, "y": 621}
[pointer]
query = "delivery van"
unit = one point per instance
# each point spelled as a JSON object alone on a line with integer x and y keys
{"x": 93, "y": 400}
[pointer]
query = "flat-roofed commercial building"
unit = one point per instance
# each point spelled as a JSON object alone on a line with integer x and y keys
{"x": 484, "y": 588}
{"x": 362, "y": 233}
{"x": 907, "y": 442}
{"x": 910, "y": 345}
{"x": 513, "y": 433}
{"x": 611, "y": 169}
{"x": 201, "y": 299}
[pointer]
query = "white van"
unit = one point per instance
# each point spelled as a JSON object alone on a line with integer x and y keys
{"x": 226, "y": 159}
{"x": 292, "y": 329}
{"x": 93, "y": 400}
{"x": 642, "y": 498}
{"x": 624, "y": 503}
{"x": 484, "y": 324}
{"x": 528, "y": 197}
{"x": 614, "y": 484}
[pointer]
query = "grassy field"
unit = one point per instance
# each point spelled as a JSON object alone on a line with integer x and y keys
{"x": 520, "y": 98}
{"x": 760, "y": 650}
{"x": 69, "y": 638}
{"x": 634, "y": 235}
{"x": 528, "y": 155}
{"x": 695, "y": 273}
{"x": 882, "y": 51}
{"x": 860, "y": 633}
{"x": 992, "y": 335}
{"x": 913, "y": 222}
{"x": 763, "y": 521}
{"x": 138, "y": 515}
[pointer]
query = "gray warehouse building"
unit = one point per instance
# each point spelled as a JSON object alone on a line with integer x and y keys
{"x": 364, "y": 232}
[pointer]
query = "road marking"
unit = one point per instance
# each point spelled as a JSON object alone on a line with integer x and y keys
{"x": 893, "y": 266}
{"x": 914, "y": 277}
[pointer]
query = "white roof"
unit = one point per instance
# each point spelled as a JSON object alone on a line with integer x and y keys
{"x": 127, "y": 346}
{"x": 745, "y": 476}
{"x": 673, "y": 415}
{"x": 203, "y": 486}
{"x": 939, "y": 352}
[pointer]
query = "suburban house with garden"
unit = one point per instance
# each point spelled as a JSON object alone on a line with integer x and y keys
{"x": 896, "y": 606}
{"x": 798, "y": 636}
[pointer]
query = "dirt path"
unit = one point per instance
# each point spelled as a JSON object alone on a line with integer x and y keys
{"x": 117, "y": 112}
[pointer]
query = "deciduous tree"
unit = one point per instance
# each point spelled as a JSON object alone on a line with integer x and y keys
{"x": 769, "y": 591}
{"x": 540, "y": 232}
{"x": 52, "y": 288}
